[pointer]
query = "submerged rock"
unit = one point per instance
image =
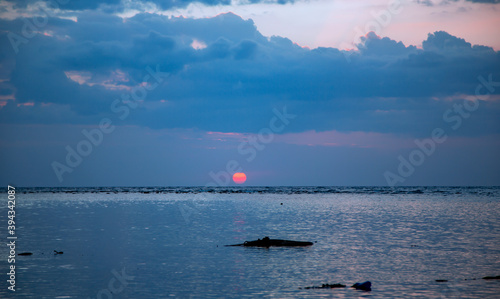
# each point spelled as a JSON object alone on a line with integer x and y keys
{"x": 266, "y": 242}
{"x": 365, "y": 286}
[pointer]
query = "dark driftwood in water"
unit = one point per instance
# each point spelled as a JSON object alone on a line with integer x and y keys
{"x": 327, "y": 286}
{"x": 25, "y": 253}
{"x": 492, "y": 277}
{"x": 266, "y": 242}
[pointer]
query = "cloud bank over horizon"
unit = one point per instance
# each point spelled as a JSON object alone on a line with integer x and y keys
{"x": 223, "y": 66}
{"x": 121, "y": 5}
{"x": 194, "y": 78}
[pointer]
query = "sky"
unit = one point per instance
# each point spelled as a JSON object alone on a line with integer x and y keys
{"x": 290, "y": 92}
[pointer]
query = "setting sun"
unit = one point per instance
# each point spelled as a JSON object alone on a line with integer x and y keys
{"x": 239, "y": 178}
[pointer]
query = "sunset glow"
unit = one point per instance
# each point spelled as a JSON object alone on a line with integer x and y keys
{"x": 299, "y": 92}
{"x": 239, "y": 178}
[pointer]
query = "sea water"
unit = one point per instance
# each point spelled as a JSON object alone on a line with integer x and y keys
{"x": 169, "y": 242}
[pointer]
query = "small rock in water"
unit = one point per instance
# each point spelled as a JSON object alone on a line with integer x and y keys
{"x": 25, "y": 253}
{"x": 365, "y": 286}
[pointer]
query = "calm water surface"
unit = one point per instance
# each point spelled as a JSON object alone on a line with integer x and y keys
{"x": 170, "y": 243}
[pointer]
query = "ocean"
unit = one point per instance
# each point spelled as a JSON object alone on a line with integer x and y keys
{"x": 156, "y": 242}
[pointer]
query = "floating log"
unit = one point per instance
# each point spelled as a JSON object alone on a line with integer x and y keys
{"x": 266, "y": 242}
{"x": 25, "y": 253}
{"x": 492, "y": 277}
{"x": 327, "y": 286}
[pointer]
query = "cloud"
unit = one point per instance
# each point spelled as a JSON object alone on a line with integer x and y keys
{"x": 121, "y": 5}
{"x": 373, "y": 45}
{"x": 67, "y": 5}
{"x": 425, "y": 2}
{"x": 444, "y": 2}
{"x": 442, "y": 41}
{"x": 233, "y": 82}
{"x": 485, "y": 1}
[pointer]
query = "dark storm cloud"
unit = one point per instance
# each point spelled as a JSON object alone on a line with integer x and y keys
{"x": 67, "y": 4}
{"x": 235, "y": 76}
{"x": 119, "y": 5}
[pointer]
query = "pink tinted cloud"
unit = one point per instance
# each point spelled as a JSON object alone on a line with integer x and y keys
{"x": 232, "y": 134}
{"x": 115, "y": 81}
{"x": 225, "y": 136}
{"x": 29, "y": 104}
